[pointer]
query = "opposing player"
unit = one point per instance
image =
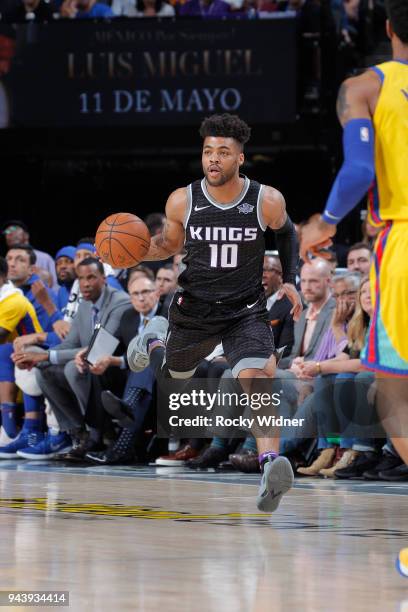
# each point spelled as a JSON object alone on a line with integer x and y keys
{"x": 220, "y": 221}
{"x": 373, "y": 110}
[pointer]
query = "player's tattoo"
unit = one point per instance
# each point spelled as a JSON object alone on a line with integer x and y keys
{"x": 342, "y": 105}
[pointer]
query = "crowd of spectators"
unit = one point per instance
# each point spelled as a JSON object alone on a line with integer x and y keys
{"x": 348, "y": 18}
{"x": 59, "y": 404}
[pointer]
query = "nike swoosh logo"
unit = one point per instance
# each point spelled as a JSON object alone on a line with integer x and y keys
{"x": 201, "y": 207}
{"x": 251, "y": 305}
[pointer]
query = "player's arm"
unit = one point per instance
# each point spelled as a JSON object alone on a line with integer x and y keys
{"x": 4, "y": 334}
{"x": 171, "y": 239}
{"x": 356, "y": 103}
{"x": 274, "y": 214}
{"x": 275, "y": 217}
{"x": 354, "y": 110}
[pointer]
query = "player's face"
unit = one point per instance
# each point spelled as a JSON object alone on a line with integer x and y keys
{"x": 82, "y": 254}
{"x": 165, "y": 281}
{"x": 91, "y": 282}
{"x": 271, "y": 275}
{"x": 143, "y": 294}
{"x": 359, "y": 261}
{"x": 65, "y": 269}
{"x": 19, "y": 267}
{"x": 221, "y": 160}
{"x": 365, "y": 298}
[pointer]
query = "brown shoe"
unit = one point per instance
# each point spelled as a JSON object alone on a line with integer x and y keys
{"x": 324, "y": 460}
{"x": 246, "y": 462}
{"x": 179, "y": 458}
{"x": 344, "y": 461}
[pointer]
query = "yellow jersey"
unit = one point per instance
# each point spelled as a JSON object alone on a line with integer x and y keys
{"x": 17, "y": 315}
{"x": 388, "y": 201}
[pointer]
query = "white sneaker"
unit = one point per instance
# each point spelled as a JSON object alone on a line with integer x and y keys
{"x": 277, "y": 479}
{"x": 4, "y": 438}
{"x": 137, "y": 355}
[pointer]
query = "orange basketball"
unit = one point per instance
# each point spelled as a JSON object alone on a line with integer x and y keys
{"x": 122, "y": 240}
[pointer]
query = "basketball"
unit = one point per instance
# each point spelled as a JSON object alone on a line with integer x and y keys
{"x": 122, "y": 240}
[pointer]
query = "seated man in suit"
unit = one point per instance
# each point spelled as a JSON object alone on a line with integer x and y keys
{"x": 65, "y": 378}
{"x": 146, "y": 304}
{"x": 278, "y": 307}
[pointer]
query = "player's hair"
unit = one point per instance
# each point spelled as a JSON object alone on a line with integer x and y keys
{"x": 28, "y": 249}
{"x": 86, "y": 240}
{"x": 227, "y": 126}
{"x": 90, "y": 261}
{"x": 359, "y": 245}
{"x": 397, "y": 13}
{"x": 358, "y": 325}
{"x": 3, "y": 267}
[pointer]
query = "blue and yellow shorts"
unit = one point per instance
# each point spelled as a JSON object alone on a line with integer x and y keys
{"x": 386, "y": 347}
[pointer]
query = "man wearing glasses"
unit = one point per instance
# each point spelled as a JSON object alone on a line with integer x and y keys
{"x": 278, "y": 307}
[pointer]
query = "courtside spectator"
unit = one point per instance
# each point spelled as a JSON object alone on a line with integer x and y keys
{"x": 359, "y": 258}
{"x": 16, "y": 233}
{"x": 65, "y": 378}
{"x": 166, "y": 280}
{"x": 205, "y": 8}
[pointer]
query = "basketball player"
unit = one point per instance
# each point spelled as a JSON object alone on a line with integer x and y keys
{"x": 220, "y": 221}
{"x": 373, "y": 110}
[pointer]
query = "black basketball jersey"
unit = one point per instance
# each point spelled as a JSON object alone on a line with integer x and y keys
{"x": 225, "y": 245}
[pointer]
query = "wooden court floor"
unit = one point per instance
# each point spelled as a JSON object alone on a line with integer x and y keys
{"x": 175, "y": 541}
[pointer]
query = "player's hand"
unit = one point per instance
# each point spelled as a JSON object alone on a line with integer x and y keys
{"x": 293, "y": 296}
{"x": 40, "y": 292}
{"x": 79, "y": 361}
{"x": 101, "y": 365}
{"x": 61, "y": 328}
{"x": 21, "y": 342}
{"x": 315, "y": 236}
{"x": 27, "y": 361}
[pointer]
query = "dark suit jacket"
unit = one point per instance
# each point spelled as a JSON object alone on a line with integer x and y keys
{"x": 129, "y": 325}
{"x": 282, "y": 324}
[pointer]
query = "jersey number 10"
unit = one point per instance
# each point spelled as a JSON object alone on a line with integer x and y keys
{"x": 224, "y": 257}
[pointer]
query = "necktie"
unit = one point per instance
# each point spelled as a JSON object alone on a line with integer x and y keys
{"x": 145, "y": 321}
{"x": 95, "y": 311}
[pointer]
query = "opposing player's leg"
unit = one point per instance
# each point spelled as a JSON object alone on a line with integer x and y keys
{"x": 249, "y": 348}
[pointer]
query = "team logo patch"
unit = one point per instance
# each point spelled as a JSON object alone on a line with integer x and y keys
{"x": 180, "y": 300}
{"x": 364, "y": 134}
{"x": 245, "y": 208}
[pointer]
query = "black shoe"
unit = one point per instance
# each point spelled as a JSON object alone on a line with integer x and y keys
{"x": 364, "y": 461}
{"x": 121, "y": 452}
{"x": 398, "y": 474}
{"x": 388, "y": 461}
{"x": 247, "y": 462}
{"x": 118, "y": 409}
{"x": 78, "y": 452}
{"x": 210, "y": 458}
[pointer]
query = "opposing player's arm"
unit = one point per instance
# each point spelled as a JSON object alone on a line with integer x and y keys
{"x": 274, "y": 214}
{"x": 171, "y": 239}
{"x": 356, "y": 103}
{"x": 4, "y": 334}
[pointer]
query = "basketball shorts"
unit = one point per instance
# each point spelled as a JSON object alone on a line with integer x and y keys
{"x": 196, "y": 328}
{"x": 386, "y": 347}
